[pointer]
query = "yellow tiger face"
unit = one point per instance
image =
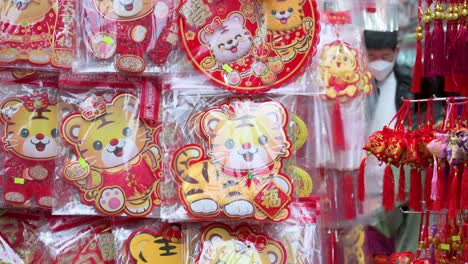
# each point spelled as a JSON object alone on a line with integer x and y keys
{"x": 124, "y": 9}
{"x": 150, "y": 248}
{"x": 111, "y": 140}
{"x": 222, "y": 246}
{"x": 338, "y": 60}
{"x": 282, "y": 15}
{"x": 30, "y": 133}
{"x": 20, "y": 11}
{"x": 252, "y": 137}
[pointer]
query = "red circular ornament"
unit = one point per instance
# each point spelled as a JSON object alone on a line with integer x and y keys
{"x": 249, "y": 46}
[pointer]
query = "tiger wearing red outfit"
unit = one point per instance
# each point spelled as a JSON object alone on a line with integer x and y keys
{"x": 123, "y": 28}
{"x": 31, "y": 136}
{"x": 37, "y": 31}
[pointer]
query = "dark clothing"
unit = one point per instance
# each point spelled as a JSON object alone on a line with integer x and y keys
{"x": 403, "y": 75}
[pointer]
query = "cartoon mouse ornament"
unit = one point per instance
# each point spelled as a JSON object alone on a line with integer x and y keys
{"x": 30, "y": 136}
{"x": 244, "y": 52}
{"x": 121, "y": 29}
{"x": 117, "y": 169}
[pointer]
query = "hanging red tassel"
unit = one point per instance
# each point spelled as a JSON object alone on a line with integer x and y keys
{"x": 401, "y": 196}
{"x": 438, "y": 46}
{"x": 361, "y": 181}
{"x": 450, "y": 51}
{"x": 427, "y": 66}
{"x": 427, "y": 187}
{"x": 349, "y": 205}
{"x": 417, "y": 69}
{"x": 453, "y": 197}
{"x": 415, "y": 190}
{"x": 464, "y": 189}
{"x": 439, "y": 201}
{"x": 388, "y": 192}
{"x": 338, "y": 131}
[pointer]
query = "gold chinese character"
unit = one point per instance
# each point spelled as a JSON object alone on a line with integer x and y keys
{"x": 271, "y": 199}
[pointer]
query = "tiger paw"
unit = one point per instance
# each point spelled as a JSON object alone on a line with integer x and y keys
{"x": 111, "y": 200}
{"x": 204, "y": 206}
{"x": 350, "y": 90}
{"x": 239, "y": 208}
{"x": 331, "y": 93}
{"x": 14, "y": 197}
{"x": 39, "y": 57}
{"x": 8, "y": 55}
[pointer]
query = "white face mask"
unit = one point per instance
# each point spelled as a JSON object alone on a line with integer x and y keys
{"x": 381, "y": 69}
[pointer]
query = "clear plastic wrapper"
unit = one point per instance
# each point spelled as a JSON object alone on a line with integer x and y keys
{"x": 129, "y": 36}
{"x": 21, "y": 238}
{"x": 229, "y": 157}
{"x": 109, "y": 159}
{"x": 29, "y": 138}
{"x": 285, "y": 243}
{"x": 80, "y": 240}
{"x": 249, "y": 47}
{"x": 38, "y": 34}
{"x": 342, "y": 77}
{"x": 148, "y": 241}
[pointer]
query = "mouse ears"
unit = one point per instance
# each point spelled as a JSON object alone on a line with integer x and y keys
{"x": 249, "y": 47}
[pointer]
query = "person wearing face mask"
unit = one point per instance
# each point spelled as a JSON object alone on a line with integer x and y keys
{"x": 392, "y": 81}
{"x": 388, "y": 232}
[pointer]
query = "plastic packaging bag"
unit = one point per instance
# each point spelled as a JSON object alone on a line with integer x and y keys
{"x": 226, "y": 157}
{"x": 20, "y": 238}
{"x": 247, "y": 46}
{"x": 81, "y": 240}
{"x": 29, "y": 138}
{"x": 37, "y": 34}
{"x": 148, "y": 241}
{"x": 290, "y": 243}
{"x": 132, "y": 36}
{"x": 109, "y": 157}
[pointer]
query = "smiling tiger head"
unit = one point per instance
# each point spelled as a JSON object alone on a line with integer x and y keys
{"x": 222, "y": 245}
{"x": 124, "y": 9}
{"x": 246, "y": 135}
{"x": 112, "y": 139}
{"x": 281, "y": 15}
{"x": 30, "y": 126}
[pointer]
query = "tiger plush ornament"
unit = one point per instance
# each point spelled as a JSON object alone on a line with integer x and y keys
{"x": 118, "y": 161}
{"x": 40, "y": 32}
{"x": 121, "y": 30}
{"x": 220, "y": 244}
{"x": 289, "y": 30}
{"x": 340, "y": 74}
{"x": 240, "y": 176}
{"x": 30, "y": 136}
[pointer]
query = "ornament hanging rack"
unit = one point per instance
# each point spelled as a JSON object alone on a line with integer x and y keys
{"x": 435, "y": 99}
{"x": 424, "y": 210}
